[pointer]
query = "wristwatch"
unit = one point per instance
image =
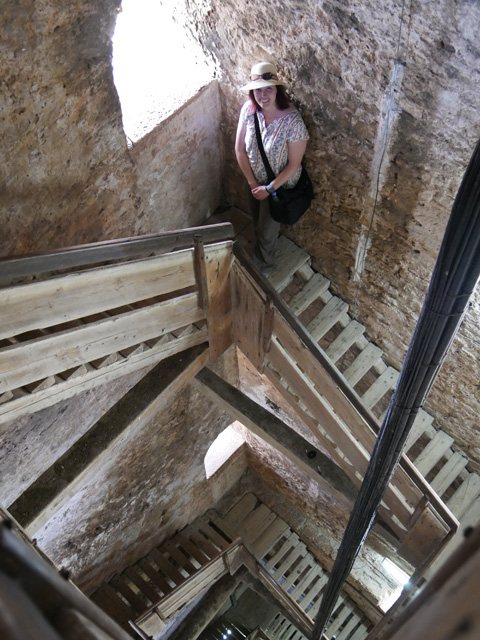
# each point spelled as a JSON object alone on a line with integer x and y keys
{"x": 271, "y": 189}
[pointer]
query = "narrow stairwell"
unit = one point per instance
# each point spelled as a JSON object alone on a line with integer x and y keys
{"x": 343, "y": 339}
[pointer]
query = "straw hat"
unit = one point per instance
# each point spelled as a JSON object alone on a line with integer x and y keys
{"x": 263, "y": 74}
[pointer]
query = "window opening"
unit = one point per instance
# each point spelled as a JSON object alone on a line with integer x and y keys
{"x": 221, "y": 449}
{"x": 157, "y": 65}
{"x": 397, "y": 575}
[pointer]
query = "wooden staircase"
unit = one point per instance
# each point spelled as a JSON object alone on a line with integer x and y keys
{"x": 156, "y": 587}
{"x": 287, "y": 559}
{"x": 363, "y": 364}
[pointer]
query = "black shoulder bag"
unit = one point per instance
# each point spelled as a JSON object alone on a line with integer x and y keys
{"x": 288, "y": 205}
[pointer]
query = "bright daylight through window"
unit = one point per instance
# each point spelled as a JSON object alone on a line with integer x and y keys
{"x": 157, "y": 66}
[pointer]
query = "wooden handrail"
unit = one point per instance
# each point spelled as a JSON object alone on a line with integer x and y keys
{"x": 125, "y": 248}
{"x": 270, "y": 293}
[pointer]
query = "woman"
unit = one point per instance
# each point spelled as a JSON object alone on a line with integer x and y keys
{"x": 284, "y": 138}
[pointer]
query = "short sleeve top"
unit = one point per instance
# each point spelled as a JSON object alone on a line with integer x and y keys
{"x": 275, "y": 138}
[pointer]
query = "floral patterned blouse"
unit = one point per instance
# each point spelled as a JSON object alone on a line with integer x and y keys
{"x": 275, "y": 137}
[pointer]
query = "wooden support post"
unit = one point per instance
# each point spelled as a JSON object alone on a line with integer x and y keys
{"x": 212, "y": 272}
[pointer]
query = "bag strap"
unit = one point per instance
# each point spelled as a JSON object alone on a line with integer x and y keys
{"x": 270, "y": 175}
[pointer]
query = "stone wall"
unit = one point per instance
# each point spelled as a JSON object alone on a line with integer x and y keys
{"x": 67, "y": 175}
{"x": 390, "y": 94}
{"x": 142, "y": 493}
{"x": 179, "y": 166}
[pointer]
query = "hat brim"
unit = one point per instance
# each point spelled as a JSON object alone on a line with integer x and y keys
{"x": 260, "y": 83}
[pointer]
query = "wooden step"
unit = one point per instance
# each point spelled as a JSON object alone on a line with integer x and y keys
{"x": 345, "y": 340}
{"x": 363, "y": 363}
{"x": 290, "y": 258}
{"x": 433, "y": 452}
{"x": 382, "y": 385}
{"x": 332, "y": 312}
{"x": 311, "y": 291}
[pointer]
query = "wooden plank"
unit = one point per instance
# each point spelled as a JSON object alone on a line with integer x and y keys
{"x": 306, "y": 416}
{"x": 314, "y": 610}
{"x": 299, "y": 551}
{"x": 50, "y": 302}
{"x": 202, "y": 543}
{"x": 466, "y": 493}
{"x": 133, "y": 574}
{"x": 26, "y": 404}
{"x": 167, "y": 567}
{"x": 218, "y": 263}
{"x": 289, "y": 258}
{"x": 308, "y": 293}
{"x": 426, "y": 534}
{"x": 191, "y": 548}
{"x": 323, "y": 412}
{"x": 307, "y": 580}
{"x": 192, "y": 588}
{"x": 402, "y": 494}
{"x": 327, "y": 318}
{"x": 122, "y": 587}
{"x": 313, "y": 595}
{"x": 290, "y": 540}
{"x": 240, "y": 510}
{"x": 34, "y": 360}
{"x": 433, "y": 452}
{"x": 248, "y": 318}
{"x": 449, "y": 472}
{"x": 344, "y": 340}
{"x": 422, "y": 423}
{"x": 360, "y": 633}
{"x": 213, "y": 535}
{"x": 268, "y": 539}
{"x": 145, "y": 564}
{"x": 363, "y": 363}
{"x": 122, "y": 249}
{"x": 109, "y": 600}
{"x": 348, "y": 628}
{"x": 384, "y": 383}
{"x": 152, "y": 625}
{"x": 296, "y": 572}
{"x": 256, "y": 522}
{"x": 180, "y": 558}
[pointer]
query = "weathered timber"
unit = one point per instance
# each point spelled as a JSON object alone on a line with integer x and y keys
{"x": 248, "y": 317}
{"x": 273, "y": 430}
{"x": 218, "y": 263}
{"x": 45, "y": 587}
{"x": 123, "y": 249}
{"x": 29, "y": 403}
{"x": 59, "y": 483}
{"x": 52, "y": 354}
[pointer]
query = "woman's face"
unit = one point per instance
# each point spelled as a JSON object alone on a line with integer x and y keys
{"x": 266, "y": 97}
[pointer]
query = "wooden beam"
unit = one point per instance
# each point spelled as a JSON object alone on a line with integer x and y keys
{"x": 39, "y": 358}
{"x": 50, "y": 302}
{"x": 273, "y": 430}
{"x": 218, "y": 264}
{"x": 165, "y": 381}
{"x": 26, "y": 404}
{"x": 248, "y": 318}
{"x": 44, "y": 586}
{"x": 126, "y": 249}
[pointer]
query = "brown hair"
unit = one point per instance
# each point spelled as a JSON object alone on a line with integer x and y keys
{"x": 281, "y": 99}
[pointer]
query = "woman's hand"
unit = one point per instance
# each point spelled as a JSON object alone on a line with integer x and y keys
{"x": 260, "y": 193}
